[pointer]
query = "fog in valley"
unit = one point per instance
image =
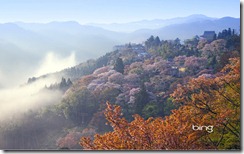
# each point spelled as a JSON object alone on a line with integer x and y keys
{"x": 21, "y": 103}
{"x": 35, "y": 56}
{"x": 29, "y": 48}
{"x": 18, "y": 97}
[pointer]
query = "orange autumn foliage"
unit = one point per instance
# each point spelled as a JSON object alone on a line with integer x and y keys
{"x": 215, "y": 100}
{"x": 172, "y": 133}
{"x": 205, "y": 101}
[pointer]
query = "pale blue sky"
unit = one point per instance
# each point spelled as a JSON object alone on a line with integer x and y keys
{"x": 112, "y": 11}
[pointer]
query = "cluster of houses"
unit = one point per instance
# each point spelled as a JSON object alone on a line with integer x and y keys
{"x": 140, "y": 50}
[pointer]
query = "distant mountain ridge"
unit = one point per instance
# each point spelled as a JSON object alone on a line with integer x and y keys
{"x": 188, "y": 30}
{"x": 28, "y": 43}
{"x": 152, "y": 24}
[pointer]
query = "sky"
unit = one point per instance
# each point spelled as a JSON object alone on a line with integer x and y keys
{"x": 112, "y": 11}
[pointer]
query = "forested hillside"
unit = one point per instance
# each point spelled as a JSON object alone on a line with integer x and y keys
{"x": 31, "y": 45}
{"x": 161, "y": 88}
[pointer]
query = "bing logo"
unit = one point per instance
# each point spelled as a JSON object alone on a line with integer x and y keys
{"x": 209, "y": 128}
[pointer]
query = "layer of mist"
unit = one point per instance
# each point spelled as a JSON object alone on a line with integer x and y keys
{"x": 17, "y": 97}
{"x": 33, "y": 49}
{"x": 16, "y": 101}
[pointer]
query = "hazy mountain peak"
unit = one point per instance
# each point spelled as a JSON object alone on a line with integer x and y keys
{"x": 228, "y": 18}
{"x": 70, "y": 23}
{"x": 152, "y": 24}
{"x": 198, "y": 16}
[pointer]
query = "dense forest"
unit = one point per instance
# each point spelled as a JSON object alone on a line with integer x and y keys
{"x": 150, "y": 96}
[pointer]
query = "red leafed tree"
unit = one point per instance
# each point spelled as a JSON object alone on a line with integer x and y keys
{"x": 215, "y": 100}
{"x": 152, "y": 134}
{"x": 212, "y": 101}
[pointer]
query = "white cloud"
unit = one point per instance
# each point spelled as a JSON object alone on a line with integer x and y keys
{"x": 53, "y": 63}
{"x": 15, "y": 101}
